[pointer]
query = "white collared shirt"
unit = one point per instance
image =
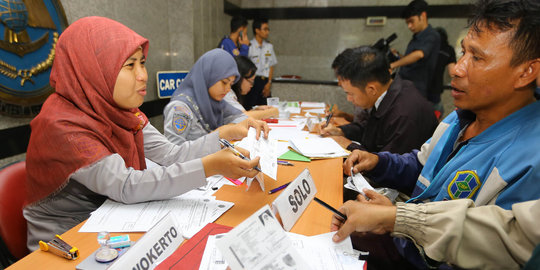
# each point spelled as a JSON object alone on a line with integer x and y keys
{"x": 378, "y": 101}
{"x": 262, "y": 56}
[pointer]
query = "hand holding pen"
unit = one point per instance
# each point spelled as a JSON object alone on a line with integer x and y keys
{"x": 226, "y": 162}
{"x": 330, "y": 114}
{"x": 227, "y": 144}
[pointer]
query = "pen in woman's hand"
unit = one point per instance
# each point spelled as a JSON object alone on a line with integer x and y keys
{"x": 227, "y": 144}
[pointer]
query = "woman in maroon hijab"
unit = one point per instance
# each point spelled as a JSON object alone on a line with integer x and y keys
{"x": 90, "y": 140}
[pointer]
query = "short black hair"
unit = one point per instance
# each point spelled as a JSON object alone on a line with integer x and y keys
{"x": 414, "y": 8}
{"x": 257, "y": 23}
{"x": 246, "y": 68}
{"x": 237, "y": 22}
{"x": 520, "y": 16}
{"x": 362, "y": 65}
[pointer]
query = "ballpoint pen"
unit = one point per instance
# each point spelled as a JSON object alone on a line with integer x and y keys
{"x": 344, "y": 217}
{"x": 286, "y": 163}
{"x": 329, "y": 116}
{"x": 278, "y": 188}
{"x": 227, "y": 144}
{"x": 328, "y": 119}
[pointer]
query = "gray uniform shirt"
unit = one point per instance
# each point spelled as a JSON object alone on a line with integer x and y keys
{"x": 180, "y": 170}
{"x": 181, "y": 124}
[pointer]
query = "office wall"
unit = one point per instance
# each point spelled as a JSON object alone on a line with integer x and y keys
{"x": 308, "y": 47}
{"x": 179, "y": 32}
{"x": 182, "y": 30}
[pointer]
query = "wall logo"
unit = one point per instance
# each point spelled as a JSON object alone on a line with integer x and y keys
{"x": 27, "y": 47}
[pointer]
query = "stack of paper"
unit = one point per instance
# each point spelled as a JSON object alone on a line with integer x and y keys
{"x": 259, "y": 242}
{"x": 193, "y": 212}
{"x": 289, "y": 106}
{"x": 318, "y": 147}
{"x": 309, "y": 104}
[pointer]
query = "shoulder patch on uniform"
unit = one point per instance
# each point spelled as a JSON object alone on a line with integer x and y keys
{"x": 464, "y": 185}
{"x": 181, "y": 119}
{"x": 180, "y": 123}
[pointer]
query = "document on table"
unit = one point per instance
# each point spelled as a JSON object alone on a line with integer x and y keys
{"x": 192, "y": 212}
{"x": 259, "y": 242}
{"x": 318, "y": 147}
{"x": 309, "y": 104}
{"x": 319, "y": 252}
{"x": 212, "y": 258}
{"x": 289, "y": 106}
{"x": 322, "y": 253}
{"x": 315, "y": 111}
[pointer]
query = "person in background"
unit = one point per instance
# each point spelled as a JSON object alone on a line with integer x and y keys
{"x": 419, "y": 62}
{"x": 261, "y": 52}
{"x": 446, "y": 59}
{"x": 197, "y": 108}
{"x": 247, "y": 75}
{"x": 394, "y": 117}
{"x": 455, "y": 232}
{"x": 237, "y": 42}
{"x": 483, "y": 151}
{"x": 90, "y": 140}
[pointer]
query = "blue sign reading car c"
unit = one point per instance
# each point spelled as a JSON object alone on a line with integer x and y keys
{"x": 27, "y": 48}
{"x": 169, "y": 81}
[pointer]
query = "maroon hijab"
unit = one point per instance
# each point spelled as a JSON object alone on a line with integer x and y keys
{"x": 80, "y": 123}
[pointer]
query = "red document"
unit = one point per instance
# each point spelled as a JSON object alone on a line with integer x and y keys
{"x": 189, "y": 255}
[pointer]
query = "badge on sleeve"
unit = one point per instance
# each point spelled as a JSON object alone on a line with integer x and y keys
{"x": 464, "y": 185}
{"x": 181, "y": 120}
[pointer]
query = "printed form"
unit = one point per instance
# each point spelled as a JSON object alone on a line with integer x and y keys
{"x": 257, "y": 245}
{"x": 192, "y": 212}
{"x": 259, "y": 242}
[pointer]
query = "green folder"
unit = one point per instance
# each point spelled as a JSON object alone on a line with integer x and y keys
{"x": 291, "y": 155}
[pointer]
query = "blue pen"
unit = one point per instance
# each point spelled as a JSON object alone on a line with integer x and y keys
{"x": 278, "y": 188}
{"x": 286, "y": 163}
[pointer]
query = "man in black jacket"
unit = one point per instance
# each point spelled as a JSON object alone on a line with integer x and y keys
{"x": 396, "y": 118}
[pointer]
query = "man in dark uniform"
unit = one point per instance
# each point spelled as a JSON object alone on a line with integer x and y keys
{"x": 395, "y": 117}
{"x": 420, "y": 59}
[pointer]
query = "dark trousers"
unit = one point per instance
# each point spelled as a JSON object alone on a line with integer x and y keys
{"x": 255, "y": 97}
{"x": 383, "y": 254}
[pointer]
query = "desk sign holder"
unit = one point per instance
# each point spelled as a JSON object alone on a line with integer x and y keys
{"x": 154, "y": 247}
{"x": 168, "y": 82}
{"x": 292, "y": 202}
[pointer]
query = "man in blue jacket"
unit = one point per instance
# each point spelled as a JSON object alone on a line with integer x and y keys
{"x": 487, "y": 150}
{"x": 237, "y": 42}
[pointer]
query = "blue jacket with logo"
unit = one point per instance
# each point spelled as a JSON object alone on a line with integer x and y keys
{"x": 228, "y": 45}
{"x": 499, "y": 166}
